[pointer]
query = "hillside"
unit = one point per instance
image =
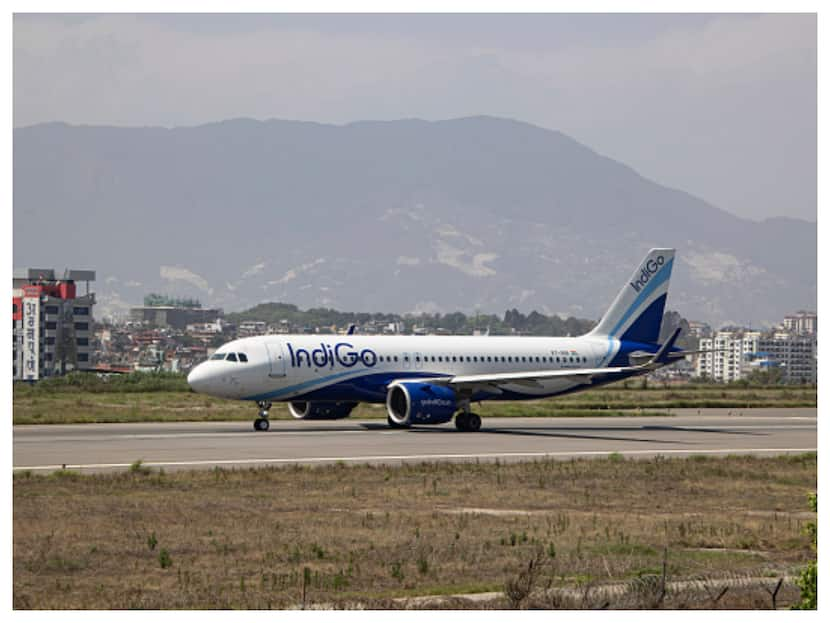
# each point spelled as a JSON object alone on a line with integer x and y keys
{"x": 470, "y": 214}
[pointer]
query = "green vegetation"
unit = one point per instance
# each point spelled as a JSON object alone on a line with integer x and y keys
{"x": 162, "y": 300}
{"x": 165, "y": 397}
{"x": 85, "y": 382}
{"x": 808, "y": 577}
{"x": 363, "y": 535}
{"x": 456, "y": 322}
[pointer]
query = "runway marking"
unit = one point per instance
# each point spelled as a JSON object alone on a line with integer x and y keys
{"x": 235, "y": 433}
{"x": 411, "y": 457}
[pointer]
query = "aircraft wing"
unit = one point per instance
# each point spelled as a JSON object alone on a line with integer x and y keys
{"x": 494, "y": 382}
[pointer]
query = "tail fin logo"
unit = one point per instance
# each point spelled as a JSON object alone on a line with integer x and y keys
{"x": 649, "y": 269}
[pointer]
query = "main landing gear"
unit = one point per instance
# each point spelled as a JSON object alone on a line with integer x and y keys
{"x": 468, "y": 422}
{"x": 261, "y": 424}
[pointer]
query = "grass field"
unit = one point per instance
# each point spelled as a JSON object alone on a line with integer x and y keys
{"x": 169, "y": 402}
{"x": 362, "y": 535}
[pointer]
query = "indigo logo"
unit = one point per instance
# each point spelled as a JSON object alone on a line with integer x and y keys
{"x": 649, "y": 269}
{"x": 327, "y": 355}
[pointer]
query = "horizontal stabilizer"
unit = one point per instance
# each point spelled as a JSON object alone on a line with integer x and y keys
{"x": 662, "y": 355}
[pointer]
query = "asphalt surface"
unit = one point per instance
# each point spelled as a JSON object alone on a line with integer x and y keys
{"x": 107, "y": 447}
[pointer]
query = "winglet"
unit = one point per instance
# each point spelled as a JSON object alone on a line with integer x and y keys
{"x": 350, "y": 330}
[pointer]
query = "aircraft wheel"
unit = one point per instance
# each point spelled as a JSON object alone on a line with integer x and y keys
{"x": 473, "y": 423}
{"x": 261, "y": 424}
{"x": 462, "y": 421}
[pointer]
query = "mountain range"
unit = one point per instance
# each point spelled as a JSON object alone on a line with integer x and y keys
{"x": 468, "y": 214}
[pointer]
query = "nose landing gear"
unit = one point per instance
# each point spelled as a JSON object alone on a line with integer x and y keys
{"x": 261, "y": 424}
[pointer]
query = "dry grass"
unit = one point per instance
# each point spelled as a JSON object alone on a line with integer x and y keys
{"x": 345, "y": 535}
{"x": 65, "y": 406}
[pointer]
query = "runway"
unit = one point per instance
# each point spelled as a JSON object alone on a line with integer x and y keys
{"x": 193, "y": 445}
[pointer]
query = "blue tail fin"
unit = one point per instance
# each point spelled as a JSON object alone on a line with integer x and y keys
{"x": 637, "y": 313}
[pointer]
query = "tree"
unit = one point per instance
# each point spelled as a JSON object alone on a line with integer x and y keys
{"x": 766, "y": 376}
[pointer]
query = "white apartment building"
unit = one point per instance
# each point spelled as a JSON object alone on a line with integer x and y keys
{"x": 801, "y": 323}
{"x": 250, "y": 328}
{"x": 736, "y": 353}
{"x": 730, "y": 351}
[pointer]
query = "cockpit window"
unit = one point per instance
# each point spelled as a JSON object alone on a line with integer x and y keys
{"x": 243, "y": 357}
{"x": 231, "y": 357}
{"x": 218, "y": 356}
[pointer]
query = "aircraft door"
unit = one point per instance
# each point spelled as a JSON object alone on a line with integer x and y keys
{"x": 276, "y": 358}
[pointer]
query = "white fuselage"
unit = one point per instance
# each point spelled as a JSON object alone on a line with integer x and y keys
{"x": 426, "y": 379}
{"x": 359, "y": 367}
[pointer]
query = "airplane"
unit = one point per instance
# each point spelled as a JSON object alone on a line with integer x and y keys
{"x": 429, "y": 380}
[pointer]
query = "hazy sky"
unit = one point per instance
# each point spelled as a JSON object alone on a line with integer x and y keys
{"x": 722, "y": 106}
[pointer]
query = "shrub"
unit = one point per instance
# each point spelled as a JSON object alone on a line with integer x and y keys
{"x": 138, "y": 467}
{"x": 165, "y": 560}
{"x": 807, "y": 580}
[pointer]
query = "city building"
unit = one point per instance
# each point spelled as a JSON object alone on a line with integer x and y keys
{"x": 734, "y": 354}
{"x": 794, "y": 354}
{"x": 159, "y": 316}
{"x": 51, "y": 324}
{"x": 249, "y": 328}
{"x": 801, "y": 323}
{"x": 727, "y": 353}
{"x": 205, "y": 331}
{"x": 699, "y": 329}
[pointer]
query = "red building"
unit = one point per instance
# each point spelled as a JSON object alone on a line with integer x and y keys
{"x": 52, "y": 325}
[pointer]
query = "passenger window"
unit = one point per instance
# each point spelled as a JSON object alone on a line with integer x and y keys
{"x": 231, "y": 357}
{"x": 243, "y": 357}
{"x": 417, "y": 358}
{"x": 396, "y": 358}
{"x": 453, "y": 358}
{"x": 468, "y": 358}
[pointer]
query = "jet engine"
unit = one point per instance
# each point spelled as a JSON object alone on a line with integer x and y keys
{"x": 420, "y": 403}
{"x": 320, "y": 410}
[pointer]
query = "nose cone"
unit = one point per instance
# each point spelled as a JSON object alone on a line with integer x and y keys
{"x": 198, "y": 378}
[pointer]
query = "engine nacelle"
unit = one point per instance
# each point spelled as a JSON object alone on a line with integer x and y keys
{"x": 420, "y": 403}
{"x": 320, "y": 410}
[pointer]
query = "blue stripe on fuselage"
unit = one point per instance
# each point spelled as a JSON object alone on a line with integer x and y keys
{"x": 369, "y": 382}
{"x": 372, "y": 387}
